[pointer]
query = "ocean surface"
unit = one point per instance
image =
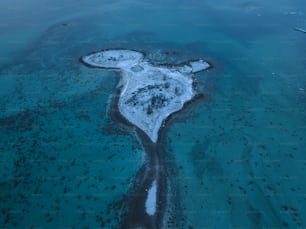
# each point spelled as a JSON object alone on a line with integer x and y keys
{"x": 235, "y": 158}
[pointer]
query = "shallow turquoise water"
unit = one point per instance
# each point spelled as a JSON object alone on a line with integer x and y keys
{"x": 236, "y": 158}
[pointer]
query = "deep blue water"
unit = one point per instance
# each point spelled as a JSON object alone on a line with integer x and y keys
{"x": 235, "y": 158}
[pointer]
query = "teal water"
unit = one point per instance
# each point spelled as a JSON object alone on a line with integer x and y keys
{"x": 235, "y": 159}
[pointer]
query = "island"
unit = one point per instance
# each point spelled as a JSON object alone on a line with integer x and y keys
{"x": 149, "y": 93}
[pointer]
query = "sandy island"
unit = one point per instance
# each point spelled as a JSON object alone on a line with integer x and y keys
{"x": 149, "y": 93}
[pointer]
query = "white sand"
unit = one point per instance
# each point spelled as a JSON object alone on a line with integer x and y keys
{"x": 151, "y": 199}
